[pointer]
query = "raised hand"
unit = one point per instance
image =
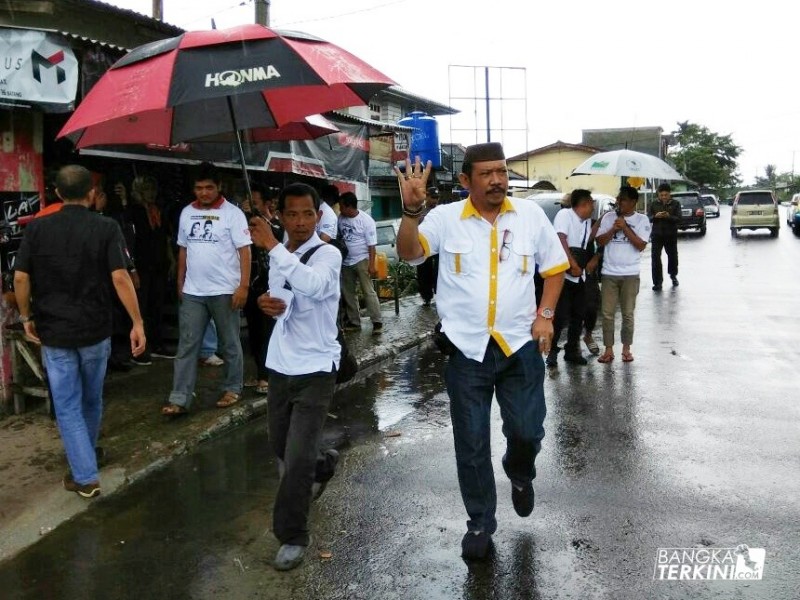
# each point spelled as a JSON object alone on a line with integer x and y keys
{"x": 413, "y": 184}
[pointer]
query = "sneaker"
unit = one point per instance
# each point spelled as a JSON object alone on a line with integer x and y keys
{"x": 523, "y": 499}
{"x": 162, "y": 353}
{"x": 475, "y": 545}
{"x": 87, "y": 490}
{"x": 212, "y": 361}
{"x": 289, "y": 556}
{"x": 142, "y": 360}
{"x": 377, "y": 328}
{"x": 675, "y": 281}
{"x": 319, "y": 486}
{"x": 591, "y": 344}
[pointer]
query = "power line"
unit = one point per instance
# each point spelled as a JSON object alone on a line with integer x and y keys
{"x": 346, "y": 14}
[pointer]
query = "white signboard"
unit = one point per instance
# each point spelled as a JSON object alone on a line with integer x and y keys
{"x": 36, "y": 68}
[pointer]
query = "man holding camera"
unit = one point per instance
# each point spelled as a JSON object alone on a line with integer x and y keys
{"x": 573, "y": 226}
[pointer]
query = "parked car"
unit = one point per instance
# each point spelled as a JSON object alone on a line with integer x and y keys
{"x": 550, "y": 202}
{"x": 693, "y": 213}
{"x": 755, "y": 209}
{"x": 387, "y": 239}
{"x": 710, "y": 205}
{"x": 793, "y": 214}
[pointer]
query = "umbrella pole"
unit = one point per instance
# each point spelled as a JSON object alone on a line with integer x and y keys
{"x": 241, "y": 152}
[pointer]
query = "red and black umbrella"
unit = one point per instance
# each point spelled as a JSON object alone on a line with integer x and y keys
{"x": 207, "y": 84}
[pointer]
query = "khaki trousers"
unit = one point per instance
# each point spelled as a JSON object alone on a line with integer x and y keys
{"x": 622, "y": 291}
{"x": 359, "y": 273}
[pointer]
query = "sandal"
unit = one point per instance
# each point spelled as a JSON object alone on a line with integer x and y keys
{"x": 606, "y": 358}
{"x": 262, "y": 387}
{"x": 251, "y": 383}
{"x": 228, "y": 399}
{"x": 174, "y": 410}
{"x": 627, "y": 357}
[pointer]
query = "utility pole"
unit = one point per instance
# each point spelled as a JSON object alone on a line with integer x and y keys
{"x": 262, "y": 12}
{"x": 158, "y": 10}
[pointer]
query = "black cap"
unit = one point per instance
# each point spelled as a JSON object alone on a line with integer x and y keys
{"x": 484, "y": 152}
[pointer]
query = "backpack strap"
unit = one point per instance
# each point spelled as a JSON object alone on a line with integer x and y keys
{"x": 304, "y": 260}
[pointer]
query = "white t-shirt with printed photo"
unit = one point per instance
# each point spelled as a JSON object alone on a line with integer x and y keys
{"x": 620, "y": 257}
{"x": 359, "y": 233}
{"x": 569, "y": 223}
{"x": 212, "y": 237}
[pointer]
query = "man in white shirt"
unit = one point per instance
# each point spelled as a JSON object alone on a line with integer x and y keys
{"x": 358, "y": 231}
{"x": 302, "y": 360}
{"x": 573, "y": 226}
{"x": 328, "y": 224}
{"x": 624, "y": 235}
{"x": 213, "y": 281}
{"x": 489, "y": 246}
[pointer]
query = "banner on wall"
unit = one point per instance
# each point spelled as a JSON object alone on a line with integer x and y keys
{"x": 38, "y": 68}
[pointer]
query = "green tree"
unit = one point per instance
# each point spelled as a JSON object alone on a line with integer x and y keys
{"x": 704, "y": 157}
{"x": 783, "y": 184}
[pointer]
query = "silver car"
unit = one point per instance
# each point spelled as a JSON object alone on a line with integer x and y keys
{"x": 710, "y": 205}
{"x": 387, "y": 239}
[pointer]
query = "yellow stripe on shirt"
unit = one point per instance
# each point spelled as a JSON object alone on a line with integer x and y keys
{"x": 555, "y": 270}
{"x": 426, "y": 247}
{"x": 493, "y": 262}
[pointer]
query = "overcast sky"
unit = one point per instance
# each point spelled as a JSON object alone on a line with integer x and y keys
{"x": 588, "y": 64}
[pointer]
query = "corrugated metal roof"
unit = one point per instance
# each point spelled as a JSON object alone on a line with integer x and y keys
{"x": 67, "y": 34}
{"x": 387, "y": 127}
{"x": 432, "y": 107}
{"x": 172, "y": 30}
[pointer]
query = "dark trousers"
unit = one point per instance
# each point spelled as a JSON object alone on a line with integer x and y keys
{"x": 298, "y": 405}
{"x": 518, "y": 382}
{"x": 152, "y": 294}
{"x": 570, "y": 310}
{"x": 592, "y": 310}
{"x": 427, "y": 276}
{"x": 258, "y": 328}
{"x": 670, "y": 244}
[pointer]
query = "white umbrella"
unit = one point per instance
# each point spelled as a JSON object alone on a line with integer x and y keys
{"x": 627, "y": 163}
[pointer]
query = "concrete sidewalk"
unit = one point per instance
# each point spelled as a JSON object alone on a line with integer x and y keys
{"x": 139, "y": 440}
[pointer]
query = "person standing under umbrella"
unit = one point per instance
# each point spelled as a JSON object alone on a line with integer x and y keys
{"x": 213, "y": 281}
{"x": 624, "y": 235}
{"x": 665, "y": 214}
{"x": 302, "y": 359}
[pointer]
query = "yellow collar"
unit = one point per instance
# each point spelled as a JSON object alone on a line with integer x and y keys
{"x": 471, "y": 211}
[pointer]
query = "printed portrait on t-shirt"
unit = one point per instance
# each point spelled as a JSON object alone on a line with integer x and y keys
{"x": 202, "y": 229}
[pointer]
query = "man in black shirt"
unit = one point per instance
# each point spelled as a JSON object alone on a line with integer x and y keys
{"x": 71, "y": 263}
{"x": 665, "y": 214}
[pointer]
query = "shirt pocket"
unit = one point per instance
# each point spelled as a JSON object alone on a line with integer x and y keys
{"x": 459, "y": 256}
{"x": 522, "y": 257}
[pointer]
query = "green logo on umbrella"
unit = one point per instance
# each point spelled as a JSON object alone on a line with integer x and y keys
{"x": 600, "y": 164}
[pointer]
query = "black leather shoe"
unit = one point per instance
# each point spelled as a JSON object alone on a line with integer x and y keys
{"x": 475, "y": 545}
{"x": 657, "y": 287}
{"x": 552, "y": 357}
{"x": 523, "y": 499}
{"x": 675, "y": 282}
{"x": 575, "y": 359}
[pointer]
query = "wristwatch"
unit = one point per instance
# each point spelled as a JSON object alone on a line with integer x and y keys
{"x": 546, "y": 313}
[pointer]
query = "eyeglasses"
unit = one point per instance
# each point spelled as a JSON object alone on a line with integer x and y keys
{"x": 505, "y": 249}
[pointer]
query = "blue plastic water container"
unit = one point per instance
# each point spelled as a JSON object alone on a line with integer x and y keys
{"x": 424, "y": 138}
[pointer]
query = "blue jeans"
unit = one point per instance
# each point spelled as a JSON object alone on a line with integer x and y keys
{"x": 518, "y": 382}
{"x": 194, "y": 315}
{"x": 76, "y": 383}
{"x": 209, "y": 343}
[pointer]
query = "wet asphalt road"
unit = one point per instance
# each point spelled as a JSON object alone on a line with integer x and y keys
{"x": 695, "y": 444}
